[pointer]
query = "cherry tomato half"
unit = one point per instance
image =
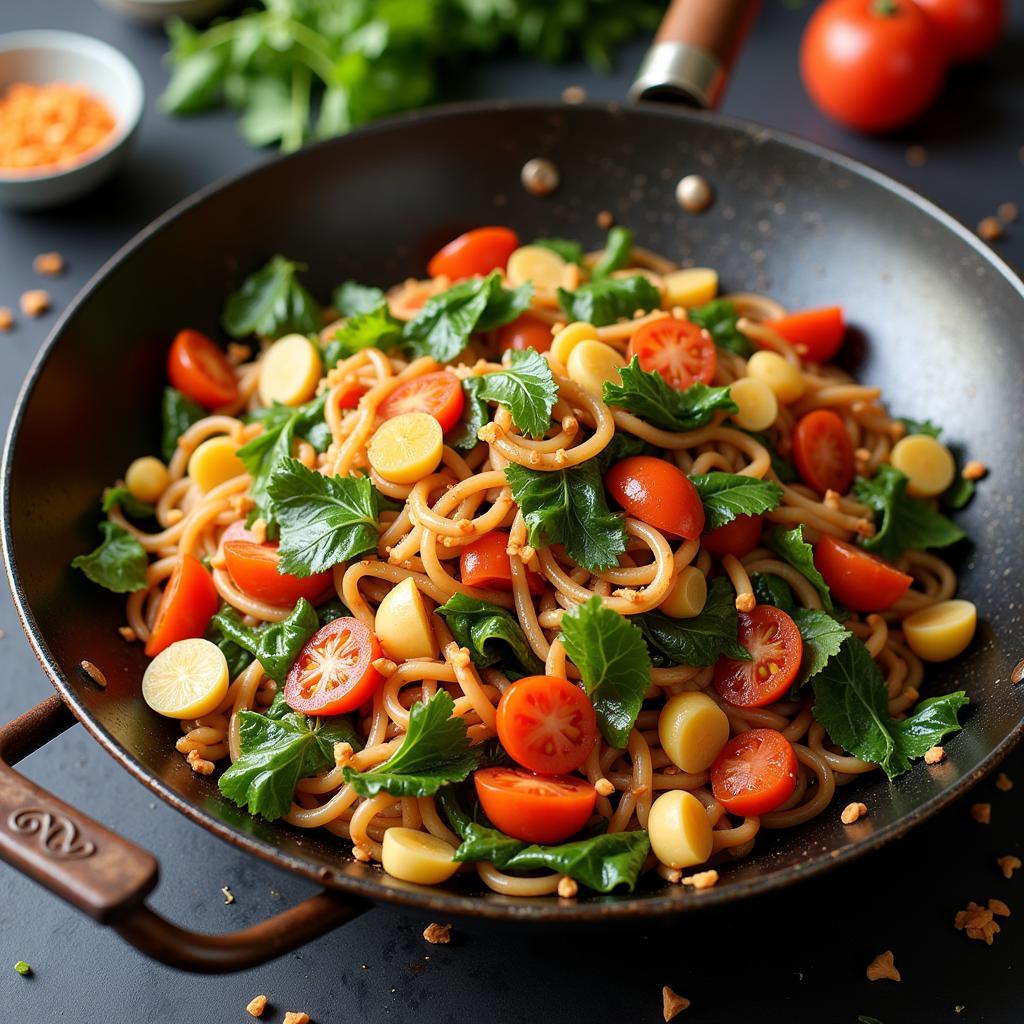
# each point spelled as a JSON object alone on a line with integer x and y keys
{"x": 350, "y": 393}
{"x": 738, "y": 538}
{"x": 823, "y": 452}
{"x": 754, "y": 773}
{"x": 679, "y": 350}
{"x": 657, "y": 493}
{"x": 485, "y": 564}
{"x": 188, "y": 603}
{"x": 525, "y": 332}
{"x": 857, "y": 578}
{"x": 775, "y": 647}
{"x": 334, "y": 671}
{"x": 546, "y": 724}
{"x": 816, "y": 334}
{"x": 256, "y": 570}
{"x": 872, "y": 65}
{"x": 439, "y": 394}
{"x": 534, "y": 808}
{"x": 476, "y": 252}
{"x": 969, "y": 28}
{"x": 199, "y": 370}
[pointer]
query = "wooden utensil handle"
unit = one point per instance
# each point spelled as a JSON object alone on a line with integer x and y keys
{"x": 694, "y": 50}
{"x": 108, "y": 877}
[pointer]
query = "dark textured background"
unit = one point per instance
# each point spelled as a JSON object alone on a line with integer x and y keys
{"x": 795, "y": 958}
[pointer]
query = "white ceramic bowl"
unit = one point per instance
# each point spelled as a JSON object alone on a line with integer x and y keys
{"x": 44, "y": 56}
{"x": 155, "y": 12}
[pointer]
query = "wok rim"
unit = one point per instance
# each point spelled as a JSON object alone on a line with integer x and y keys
{"x": 605, "y": 908}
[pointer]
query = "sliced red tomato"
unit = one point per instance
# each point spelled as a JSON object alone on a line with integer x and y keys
{"x": 525, "y": 332}
{"x": 439, "y": 394}
{"x": 738, "y": 538}
{"x": 238, "y": 531}
{"x": 816, "y": 334}
{"x": 188, "y": 603}
{"x": 476, "y": 252}
{"x": 657, "y": 493}
{"x": 350, "y": 393}
{"x": 857, "y": 578}
{"x": 546, "y": 724}
{"x": 681, "y": 351}
{"x": 199, "y": 370}
{"x": 754, "y": 773}
{"x": 775, "y": 647}
{"x": 485, "y": 563}
{"x": 256, "y": 570}
{"x": 534, "y": 808}
{"x": 823, "y": 452}
{"x": 334, "y": 671}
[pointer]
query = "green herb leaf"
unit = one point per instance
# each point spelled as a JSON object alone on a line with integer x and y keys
{"x": 475, "y": 413}
{"x": 434, "y": 752}
{"x": 178, "y": 413}
{"x": 275, "y": 645}
{"x": 605, "y": 301}
{"x": 330, "y": 611}
{"x": 617, "y": 248}
{"x": 902, "y": 523}
{"x": 272, "y": 302}
{"x": 352, "y": 298}
{"x": 570, "y": 250}
{"x": 791, "y": 547}
{"x": 822, "y": 637}
{"x": 526, "y": 388}
{"x": 622, "y": 446}
{"x": 719, "y": 318}
{"x": 612, "y": 657}
{"x": 374, "y": 328}
{"x": 23, "y": 968}
{"x": 959, "y": 493}
{"x": 324, "y": 519}
{"x": 119, "y": 563}
{"x": 851, "y": 702}
{"x": 126, "y": 502}
{"x": 647, "y": 394}
{"x": 728, "y": 495}
{"x": 920, "y": 427}
{"x": 770, "y": 589}
{"x": 703, "y": 639}
{"x": 197, "y": 72}
{"x": 568, "y": 507}
{"x": 491, "y": 634}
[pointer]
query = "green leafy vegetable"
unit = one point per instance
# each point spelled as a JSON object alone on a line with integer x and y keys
{"x": 330, "y": 611}
{"x": 616, "y": 253}
{"x": 959, "y": 493}
{"x": 324, "y": 519}
{"x": 703, "y": 639}
{"x": 570, "y": 250}
{"x": 621, "y": 446}
{"x": 434, "y": 752}
{"x": 920, "y": 427}
{"x": 719, "y": 318}
{"x": 463, "y": 436}
{"x": 612, "y": 657}
{"x": 605, "y": 301}
{"x": 126, "y": 502}
{"x": 526, "y": 388}
{"x": 491, "y": 634}
{"x": 902, "y": 523}
{"x": 23, "y": 968}
{"x": 178, "y": 414}
{"x": 791, "y": 547}
{"x": 648, "y": 395}
{"x": 568, "y": 506}
{"x": 119, "y": 563}
{"x": 272, "y": 302}
{"x": 728, "y": 495}
{"x": 851, "y": 702}
{"x": 352, "y": 298}
{"x": 822, "y": 637}
{"x": 770, "y": 589}
{"x": 372, "y": 328}
{"x": 783, "y": 468}
{"x": 275, "y": 645}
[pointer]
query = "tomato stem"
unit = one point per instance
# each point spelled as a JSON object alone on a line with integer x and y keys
{"x": 885, "y": 8}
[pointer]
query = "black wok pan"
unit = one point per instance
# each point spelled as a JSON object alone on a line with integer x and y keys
{"x": 937, "y": 324}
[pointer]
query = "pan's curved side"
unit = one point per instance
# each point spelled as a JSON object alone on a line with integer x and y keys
{"x": 938, "y": 315}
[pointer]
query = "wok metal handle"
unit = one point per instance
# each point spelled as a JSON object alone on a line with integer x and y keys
{"x": 108, "y": 877}
{"x": 694, "y": 50}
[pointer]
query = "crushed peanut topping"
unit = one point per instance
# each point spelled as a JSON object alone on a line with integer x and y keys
{"x": 831, "y": 500}
{"x": 883, "y": 968}
{"x": 862, "y": 454}
{"x": 127, "y": 633}
{"x": 199, "y": 764}
{"x": 361, "y": 855}
{"x": 1004, "y": 783}
{"x": 981, "y": 813}
{"x": 34, "y": 302}
{"x": 605, "y": 219}
{"x": 385, "y": 666}
{"x": 1008, "y": 864}
{"x": 256, "y": 1006}
{"x": 933, "y": 755}
{"x": 94, "y": 674}
{"x": 745, "y": 602}
{"x": 853, "y": 812}
{"x": 567, "y": 887}
{"x": 974, "y": 470}
{"x": 295, "y": 1017}
{"x": 460, "y": 658}
{"x": 979, "y": 922}
{"x": 604, "y": 787}
{"x": 49, "y": 264}
{"x": 527, "y": 554}
{"x": 673, "y": 876}
{"x": 702, "y": 880}
{"x": 6, "y": 318}
{"x": 229, "y": 896}
{"x": 238, "y": 353}
{"x": 342, "y": 754}
{"x": 672, "y": 1003}
{"x": 438, "y": 934}
{"x": 999, "y": 908}
{"x": 628, "y": 594}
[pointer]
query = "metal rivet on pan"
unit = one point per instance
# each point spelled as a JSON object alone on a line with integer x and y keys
{"x": 539, "y": 176}
{"x": 1017, "y": 675}
{"x": 693, "y": 193}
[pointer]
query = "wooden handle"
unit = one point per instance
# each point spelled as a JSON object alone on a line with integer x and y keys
{"x": 108, "y": 877}
{"x": 694, "y": 50}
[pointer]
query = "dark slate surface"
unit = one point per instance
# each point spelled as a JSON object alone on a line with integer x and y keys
{"x": 799, "y": 957}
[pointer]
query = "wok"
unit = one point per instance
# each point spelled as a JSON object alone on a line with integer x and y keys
{"x": 936, "y": 323}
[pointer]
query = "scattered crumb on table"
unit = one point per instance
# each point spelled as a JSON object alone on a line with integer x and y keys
{"x": 438, "y": 934}
{"x": 883, "y": 968}
{"x": 672, "y": 1003}
{"x": 981, "y": 813}
{"x": 256, "y": 1006}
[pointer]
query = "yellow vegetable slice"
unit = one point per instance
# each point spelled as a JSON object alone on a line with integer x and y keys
{"x": 782, "y": 377}
{"x": 569, "y": 337}
{"x": 691, "y": 287}
{"x": 757, "y": 402}
{"x": 941, "y": 631}
{"x": 592, "y": 363}
{"x": 417, "y": 856}
{"x": 546, "y": 269}
{"x": 147, "y": 478}
{"x": 687, "y": 594}
{"x": 679, "y": 829}
{"x": 186, "y": 680}
{"x": 214, "y": 462}
{"x": 402, "y": 623}
{"x": 692, "y": 729}
{"x": 406, "y": 448}
{"x": 289, "y": 371}
{"x": 928, "y": 463}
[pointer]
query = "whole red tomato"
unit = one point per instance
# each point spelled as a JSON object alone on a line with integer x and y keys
{"x": 969, "y": 28}
{"x": 872, "y": 65}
